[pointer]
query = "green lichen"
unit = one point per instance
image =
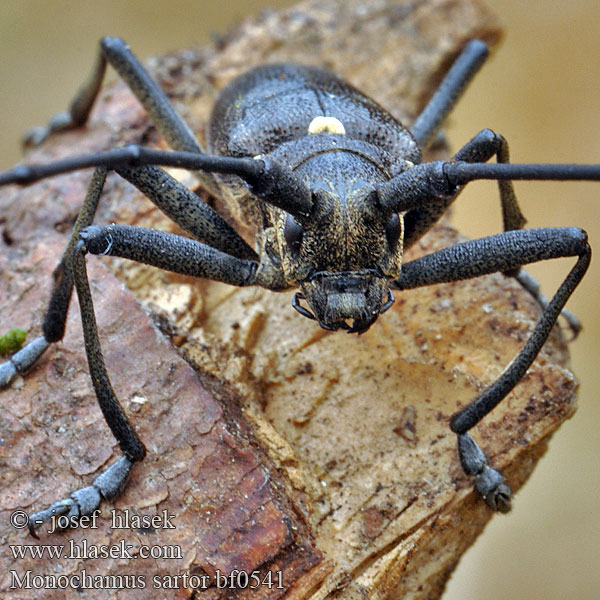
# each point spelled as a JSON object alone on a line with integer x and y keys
{"x": 12, "y": 341}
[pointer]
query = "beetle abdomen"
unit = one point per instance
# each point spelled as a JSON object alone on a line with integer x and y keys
{"x": 274, "y": 104}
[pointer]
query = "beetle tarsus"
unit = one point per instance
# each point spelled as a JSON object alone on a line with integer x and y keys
{"x": 488, "y": 482}
{"x": 85, "y": 501}
{"x": 22, "y": 360}
{"x": 36, "y": 135}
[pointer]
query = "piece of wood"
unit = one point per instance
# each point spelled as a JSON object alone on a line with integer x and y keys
{"x": 322, "y": 457}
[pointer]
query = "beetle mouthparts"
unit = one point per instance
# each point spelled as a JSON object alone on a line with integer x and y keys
{"x": 344, "y": 310}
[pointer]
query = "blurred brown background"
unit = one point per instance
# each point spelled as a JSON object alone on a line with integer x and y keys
{"x": 541, "y": 91}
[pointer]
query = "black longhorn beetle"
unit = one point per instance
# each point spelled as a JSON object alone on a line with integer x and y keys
{"x": 335, "y": 189}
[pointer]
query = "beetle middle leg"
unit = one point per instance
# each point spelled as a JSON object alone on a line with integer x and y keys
{"x": 481, "y": 148}
{"x": 485, "y": 145}
{"x": 500, "y": 253}
{"x": 175, "y": 200}
{"x": 56, "y": 315}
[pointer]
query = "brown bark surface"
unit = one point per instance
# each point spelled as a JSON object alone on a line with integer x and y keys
{"x": 322, "y": 458}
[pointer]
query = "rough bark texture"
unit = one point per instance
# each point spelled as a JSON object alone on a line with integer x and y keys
{"x": 322, "y": 457}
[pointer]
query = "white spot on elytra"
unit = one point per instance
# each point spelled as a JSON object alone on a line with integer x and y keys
{"x": 326, "y": 125}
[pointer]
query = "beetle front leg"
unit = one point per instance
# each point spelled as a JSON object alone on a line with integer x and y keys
{"x": 85, "y": 501}
{"x": 488, "y": 482}
{"x": 500, "y": 253}
{"x": 169, "y": 252}
{"x": 163, "y": 250}
{"x": 111, "y": 481}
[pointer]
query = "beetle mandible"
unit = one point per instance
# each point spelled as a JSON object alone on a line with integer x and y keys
{"x": 337, "y": 190}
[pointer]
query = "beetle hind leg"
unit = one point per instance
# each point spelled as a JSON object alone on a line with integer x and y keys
{"x": 115, "y": 52}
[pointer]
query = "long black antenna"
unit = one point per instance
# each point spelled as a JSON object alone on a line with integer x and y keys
{"x": 427, "y": 182}
{"x": 132, "y": 156}
{"x": 273, "y": 183}
{"x": 460, "y": 172}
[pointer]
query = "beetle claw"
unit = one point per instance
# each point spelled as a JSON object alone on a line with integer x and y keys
{"x": 303, "y": 311}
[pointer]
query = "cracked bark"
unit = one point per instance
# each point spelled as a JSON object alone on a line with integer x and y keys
{"x": 285, "y": 448}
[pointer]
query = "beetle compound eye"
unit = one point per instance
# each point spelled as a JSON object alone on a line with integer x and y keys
{"x": 293, "y": 232}
{"x": 392, "y": 230}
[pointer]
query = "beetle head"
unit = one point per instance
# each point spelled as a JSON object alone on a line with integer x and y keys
{"x": 343, "y": 255}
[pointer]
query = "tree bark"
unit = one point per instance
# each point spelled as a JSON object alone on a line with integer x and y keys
{"x": 275, "y": 446}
